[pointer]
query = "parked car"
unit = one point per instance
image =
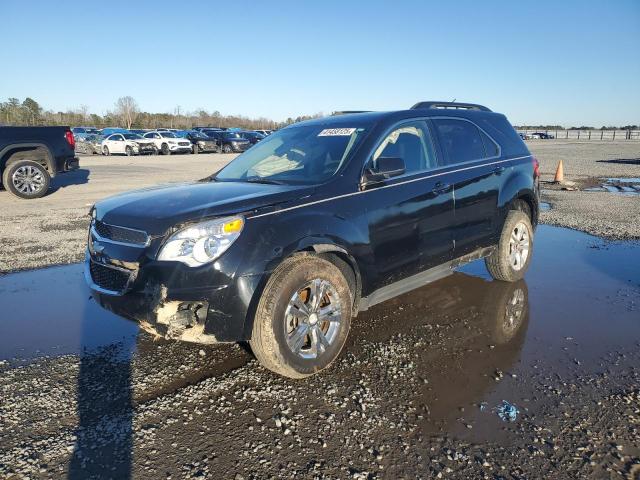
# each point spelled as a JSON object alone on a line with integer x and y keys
{"x": 200, "y": 143}
{"x": 90, "y": 144}
{"x": 31, "y": 156}
{"x": 323, "y": 219}
{"x": 264, "y": 132}
{"x": 139, "y": 131}
{"x": 110, "y": 130}
{"x": 167, "y": 142}
{"x": 229, "y": 140}
{"x": 83, "y": 132}
{"x": 128, "y": 144}
{"x": 253, "y": 137}
{"x": 540, "y": 136}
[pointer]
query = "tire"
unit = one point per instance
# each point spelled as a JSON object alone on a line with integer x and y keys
{"x": 154, "y": 150}
{"x": 194, "y": 149}
{"x": 512, "y": 257}
{"x": 165, "y": 149}
{"x": 227, "y": 149}
{"x": 128, "y": 151}
{"x": 26, "y": 179}
{"x": 105, "y": 151}
{"x": 276, "y": 326}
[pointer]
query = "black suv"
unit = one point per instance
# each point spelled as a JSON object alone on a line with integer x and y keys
{"x": 325, "y": 218}
{"x": 230, "y": 141}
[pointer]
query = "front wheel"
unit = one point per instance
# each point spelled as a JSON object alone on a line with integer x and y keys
{"x": 227, "y": 149}
{"x": 165, "y": 149}
{"x": 105, "y": 151}
{"x": 128, "y": 151}
{"x": 511, "y": 258}
{"x": 26, "y": 179}
{"x": 303, "y": 317}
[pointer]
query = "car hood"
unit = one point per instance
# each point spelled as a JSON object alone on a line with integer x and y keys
{"x": 157, "y": 209}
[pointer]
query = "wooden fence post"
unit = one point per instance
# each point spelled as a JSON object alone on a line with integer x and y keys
{"x": 614, "y": 134}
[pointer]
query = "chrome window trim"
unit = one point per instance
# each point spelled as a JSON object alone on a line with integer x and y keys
{"x": 99, "y": 237}
{"x": 389, "y": 186}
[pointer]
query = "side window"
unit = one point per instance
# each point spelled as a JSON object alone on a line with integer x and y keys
{"x": 490, "y": 147}
{"x": 118, "y": 138}
{"x": 460, "y": 140}
{"x": 411, "y": 143}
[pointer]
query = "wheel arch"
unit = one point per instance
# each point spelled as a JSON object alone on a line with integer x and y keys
{"x": 38, "y": 152}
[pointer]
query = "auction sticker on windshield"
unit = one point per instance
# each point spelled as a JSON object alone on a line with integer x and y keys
{"x": 336, "y": 132}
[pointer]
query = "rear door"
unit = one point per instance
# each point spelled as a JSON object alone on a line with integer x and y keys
{"x": 409, "y": 216}
{"x": 473, "y": 159}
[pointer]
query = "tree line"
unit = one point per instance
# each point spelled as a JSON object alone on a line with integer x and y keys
{"x": 127, "y": 114}
{"x": 583, "y": 127}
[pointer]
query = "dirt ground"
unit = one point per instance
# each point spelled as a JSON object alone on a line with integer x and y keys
{"x": 417, "y": 392}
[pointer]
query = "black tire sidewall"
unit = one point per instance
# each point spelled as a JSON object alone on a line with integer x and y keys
{"x": 8, "y": 181}
{"x": 165, "y": 149}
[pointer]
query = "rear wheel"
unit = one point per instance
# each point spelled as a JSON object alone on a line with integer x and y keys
{"x": 303, "y": 317}
{"x": 26, "y": 179}
{"x": 165, "y": 149}
{"x": 512, "y": 257}
{"x": 105, "y": 151}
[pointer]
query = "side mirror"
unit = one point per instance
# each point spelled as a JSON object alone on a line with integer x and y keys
{"x": 386, "y": 167}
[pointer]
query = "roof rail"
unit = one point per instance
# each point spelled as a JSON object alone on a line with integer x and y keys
{"x": 454, "y": 105}
{"x": 347, "y": 112}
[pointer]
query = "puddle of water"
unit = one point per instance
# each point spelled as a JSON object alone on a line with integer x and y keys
{"x": 50, "y": 312}
{"x": 578, "y": 304}
{"x": 544, "y": 206}
{"x": 619, "y": 185}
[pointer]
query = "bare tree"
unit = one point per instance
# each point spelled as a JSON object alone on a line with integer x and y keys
{"x": 127, "y": 110}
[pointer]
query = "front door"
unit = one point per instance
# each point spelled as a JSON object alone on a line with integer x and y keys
{"x": 409, "y": 215}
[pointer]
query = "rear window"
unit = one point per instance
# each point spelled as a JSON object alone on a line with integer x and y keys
{"x": 460, "y": 140}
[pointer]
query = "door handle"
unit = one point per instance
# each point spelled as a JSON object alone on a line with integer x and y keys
{"x": 498, "y": 170}
{"x": 441, "y": 188}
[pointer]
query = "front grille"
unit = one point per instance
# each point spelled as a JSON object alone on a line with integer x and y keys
{"x": 108, "y": 278}
{"x": 120, "y": 234}
{"x": 184, "y": 144}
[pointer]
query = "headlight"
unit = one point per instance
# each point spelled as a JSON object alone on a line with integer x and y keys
{"x": 172, "y": 141}
{"x": 203, "y": 242}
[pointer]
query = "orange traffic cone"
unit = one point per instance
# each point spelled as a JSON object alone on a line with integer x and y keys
{"x": 559, "y": 178}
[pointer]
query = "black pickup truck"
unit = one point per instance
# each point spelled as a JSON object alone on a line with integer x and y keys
{"x": 31, "y": 156}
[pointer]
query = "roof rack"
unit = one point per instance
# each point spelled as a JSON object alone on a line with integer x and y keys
{"x": 346, "y": 112}
{"x": 453, "y": 105}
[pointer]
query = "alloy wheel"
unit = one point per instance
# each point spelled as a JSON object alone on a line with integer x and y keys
{"x": 519, "y": 245}
{"x": 312, "y": 319}
{"x": 28, "y": 179}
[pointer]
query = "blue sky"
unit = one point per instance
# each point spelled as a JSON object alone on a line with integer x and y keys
{"x": 566, "y": 62}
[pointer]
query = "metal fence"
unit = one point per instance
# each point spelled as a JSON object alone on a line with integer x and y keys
{"x": 588, "y": 134}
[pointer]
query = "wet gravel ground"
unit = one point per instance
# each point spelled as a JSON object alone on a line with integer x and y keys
{"x": 588, "y": 163}
{"x": 52, "y": 230}
{"x": 414, "y": 394}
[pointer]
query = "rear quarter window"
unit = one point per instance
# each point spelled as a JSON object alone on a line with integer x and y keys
{"x": 503, "y": 132}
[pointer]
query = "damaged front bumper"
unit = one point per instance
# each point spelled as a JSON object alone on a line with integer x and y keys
{"x": 173, "y": 301}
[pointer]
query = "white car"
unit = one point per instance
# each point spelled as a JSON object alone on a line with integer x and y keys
{"x": 127, "y": 143}
{"x": 168, "y": 143}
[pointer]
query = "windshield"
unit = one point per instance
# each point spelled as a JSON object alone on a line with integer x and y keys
{"x": 132, "y": 136}
{"x": 167, "y": 135}
{"x": 297, "y": 155}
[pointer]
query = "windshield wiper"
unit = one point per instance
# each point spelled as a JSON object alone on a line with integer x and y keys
{"x": 263, "y": 180}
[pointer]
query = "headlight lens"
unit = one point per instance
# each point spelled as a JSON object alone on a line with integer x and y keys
{"x": 203, "y": 242}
